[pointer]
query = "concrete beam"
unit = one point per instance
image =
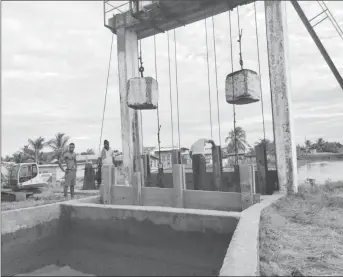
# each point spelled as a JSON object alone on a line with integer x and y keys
{"x": 280, "y": 87}
{"x": 162, "y": 16}
{"x": 130, "y": 119}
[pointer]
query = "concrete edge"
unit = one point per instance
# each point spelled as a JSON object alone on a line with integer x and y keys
{"x": 242, "y": 256}
{"x": 158, "y": 209}
{"x": 178, "y": 219}
{"x": 13, "y": 220}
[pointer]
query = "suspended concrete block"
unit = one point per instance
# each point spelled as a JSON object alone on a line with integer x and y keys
{"x": 142, "y": 93}
{"x": 242, "y": 87}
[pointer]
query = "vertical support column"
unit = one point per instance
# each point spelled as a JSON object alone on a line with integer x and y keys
{"x": 137, "y": 192}
{"x": 147, "y": 170}
{"x": 178, "y": 184}
{"x": 247, "y": 182}
{"x": 130, "y": 119}
{"x": 262, "y": 168}
{"x": 176, "y": 156}
{"x": 217, "y": 168}
{"x": 280, "y": 86}
{"x": 106, "y": 184}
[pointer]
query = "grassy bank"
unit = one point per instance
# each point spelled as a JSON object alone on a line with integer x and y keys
{"x": 321, "y": 157}
{"x": 46, "y": 196}
{"x": 304, "y": 233}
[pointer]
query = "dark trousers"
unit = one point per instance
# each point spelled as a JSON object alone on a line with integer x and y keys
{"x": 199, "y": 171}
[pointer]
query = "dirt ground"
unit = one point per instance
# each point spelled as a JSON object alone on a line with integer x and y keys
{"x": 45, "y": 196}
{"x": 304, "y": 233}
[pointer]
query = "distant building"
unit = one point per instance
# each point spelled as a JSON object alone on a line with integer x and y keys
{"x": 313, "y": 150}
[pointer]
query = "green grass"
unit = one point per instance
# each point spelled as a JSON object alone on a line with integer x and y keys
{"x": 304, "y": 232}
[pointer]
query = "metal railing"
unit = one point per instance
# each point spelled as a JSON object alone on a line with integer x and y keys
{"x": 111, "y": 8}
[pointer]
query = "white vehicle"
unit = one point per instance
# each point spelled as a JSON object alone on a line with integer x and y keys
{"x": 26, "y": 176}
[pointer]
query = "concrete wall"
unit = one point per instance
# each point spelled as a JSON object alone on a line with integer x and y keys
{"x": 29, "y": 237}
{"x": 165, "y": 197}
{"x": 242, "y": 256}
{"x": 230, "y": 183}
{"x": 138, "y": 241}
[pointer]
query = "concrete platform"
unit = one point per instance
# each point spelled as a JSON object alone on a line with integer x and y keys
{"x": 54, "y": 270}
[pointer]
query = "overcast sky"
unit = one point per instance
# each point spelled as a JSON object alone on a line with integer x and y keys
{"x": 54, "y": 67}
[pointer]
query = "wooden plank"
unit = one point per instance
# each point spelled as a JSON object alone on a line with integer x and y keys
{"x": 163, "y": 197}
{"x": 212, "y": 200}
{"x": 262, "y": 168}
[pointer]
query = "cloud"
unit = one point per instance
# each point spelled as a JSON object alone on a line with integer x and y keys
{"x": 55, "y": 61}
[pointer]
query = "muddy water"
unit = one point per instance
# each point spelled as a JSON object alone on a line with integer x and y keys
{"x": 130, "y": 248}
{"x": 142, "y": 249}
{"x": 321, "y": 171}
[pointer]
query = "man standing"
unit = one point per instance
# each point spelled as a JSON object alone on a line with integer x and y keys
{"x": 106, "y": 157}
{"x": 197, "y": 154}
{"x": 69, "y": 158}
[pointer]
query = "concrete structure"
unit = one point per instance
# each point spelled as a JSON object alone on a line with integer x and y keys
{"x": 99, "y": 240}
{"x": 280, "y": 87}
{"x": 159, "y": 16}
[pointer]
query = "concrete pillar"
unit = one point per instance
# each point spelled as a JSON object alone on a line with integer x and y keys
{"x": 217, "y": 168}
{"x": 179, "y": 182}
{"x": 147, "y": 170}
{"x": 247, "y": 182}
{"x": 130, "y": 119}
{"x": 280, "y": 87}
{"x": 137, "y": 188}
{"x": 106, "y": 184}
{"x": 176, "y": 156}
{"x": 262, "y": 168}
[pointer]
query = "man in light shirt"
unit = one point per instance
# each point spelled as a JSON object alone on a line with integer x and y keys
{"x": 106, "y": 157}
{"x": 197, "y": 153}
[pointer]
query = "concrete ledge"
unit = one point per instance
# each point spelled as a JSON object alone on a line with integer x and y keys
{"x": 13, "y": 220}
{"x": 242, "y": 256}
{"x": 177, "y": 218}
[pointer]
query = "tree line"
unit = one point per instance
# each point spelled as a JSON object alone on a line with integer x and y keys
{"x": 236, "y": 139}
{"x": 33, "y": 151}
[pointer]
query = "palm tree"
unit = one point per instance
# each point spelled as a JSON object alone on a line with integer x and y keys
{"x": 59, "y": 144}
{"x": 37, "y": 146}
{"x": 241, "y": 142}
{"x": 270, "y": 146}
{"x": 90, "y": 152}
{"x": 308, "y": 144}
{"x": 19, "y": 157}
{"x": 320, "y": 144}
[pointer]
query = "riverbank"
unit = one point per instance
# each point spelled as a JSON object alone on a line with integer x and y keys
{"x": 303, "y": 233}
{"x": 320, "y": 157}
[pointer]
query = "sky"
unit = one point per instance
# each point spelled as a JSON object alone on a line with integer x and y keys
{"x": 55, "y": 59}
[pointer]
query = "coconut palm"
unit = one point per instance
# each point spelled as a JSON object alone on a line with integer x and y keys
{"x": 19, "y": 157}
{"x": 37, "y": 145}
{"x": 59, "y": 144}
{"x": 320, "y": 144}
{"x": 241, "y": 142}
